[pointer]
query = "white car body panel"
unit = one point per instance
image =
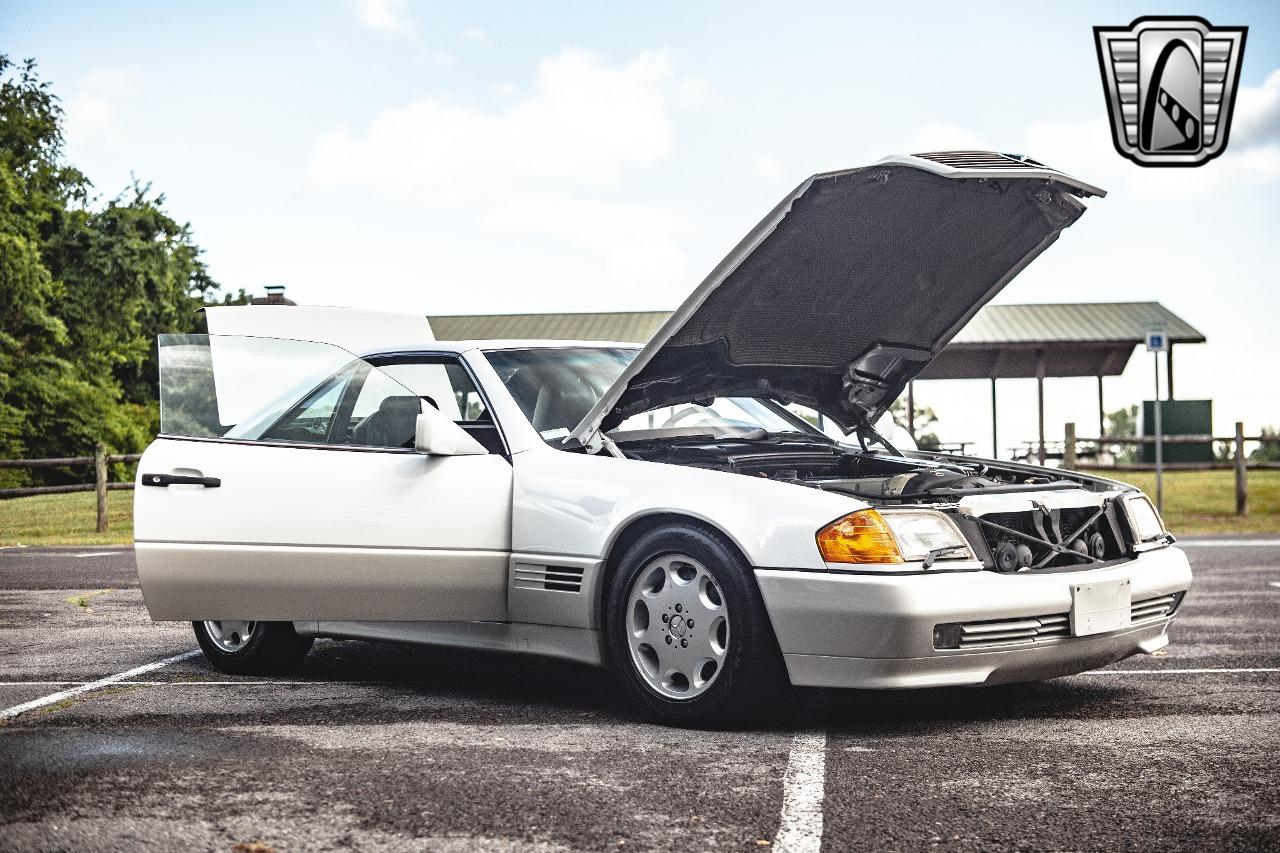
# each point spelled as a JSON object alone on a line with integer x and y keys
{"x": 334, "y": 534}
{"x": 895, "y": 618}
{"x": 574, "y": 504}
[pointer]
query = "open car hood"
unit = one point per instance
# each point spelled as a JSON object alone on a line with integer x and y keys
{"x": 850, "y": 286}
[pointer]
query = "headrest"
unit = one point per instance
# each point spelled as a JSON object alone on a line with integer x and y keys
{"x": 401, "y": 404}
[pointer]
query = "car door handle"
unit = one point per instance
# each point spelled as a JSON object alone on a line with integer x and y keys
{"x": 163, "y": 480}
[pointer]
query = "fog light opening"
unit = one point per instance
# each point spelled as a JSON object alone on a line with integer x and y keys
{"x": 947, "y": 636}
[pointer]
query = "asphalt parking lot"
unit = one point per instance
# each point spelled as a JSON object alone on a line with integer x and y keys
{"x": 380, "y": 746}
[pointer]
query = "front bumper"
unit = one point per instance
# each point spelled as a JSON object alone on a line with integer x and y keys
{"x": 876, "y": 630}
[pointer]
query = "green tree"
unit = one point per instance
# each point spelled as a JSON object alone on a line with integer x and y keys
{"x": 1123, "y": 423}
{"x": 925, "y": 418}
{"x": 84, "y": 289}
{"x": 1269, "y": 452}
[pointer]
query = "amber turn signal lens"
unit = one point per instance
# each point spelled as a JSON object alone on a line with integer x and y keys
{"x": 860, "y": 537}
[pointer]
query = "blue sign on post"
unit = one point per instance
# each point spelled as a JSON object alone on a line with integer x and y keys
{"x": 1158, "y": 342}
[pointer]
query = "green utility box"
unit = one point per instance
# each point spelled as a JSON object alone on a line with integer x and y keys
{"x": 1179, "y": 417}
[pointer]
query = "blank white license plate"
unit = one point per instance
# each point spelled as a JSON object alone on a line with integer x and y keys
{"x": 1101, "y": 606}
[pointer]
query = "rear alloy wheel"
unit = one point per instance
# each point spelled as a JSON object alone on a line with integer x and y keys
{"x": 687, "y": 631}
{"x": 251, "y": 648}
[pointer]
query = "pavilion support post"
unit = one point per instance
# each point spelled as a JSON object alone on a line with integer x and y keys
{"x": 995, "y": 444}
{"x": 1040, "y": 450}
{"x": 911, "y": 409}
{"x": 1242, "y": 477}
{"x": 1168, "y": 369}
{"x": 1069, "y": 447}
{"x": 1102, "y": 414}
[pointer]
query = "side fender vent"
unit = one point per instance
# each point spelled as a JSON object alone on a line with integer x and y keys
{"x": 555, "y": 578}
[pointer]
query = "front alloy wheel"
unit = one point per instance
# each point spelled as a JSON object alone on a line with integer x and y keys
{"x": 677, "y": 627}
{"x": 687, "y": 632}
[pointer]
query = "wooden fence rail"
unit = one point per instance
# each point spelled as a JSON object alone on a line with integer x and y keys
{"x": 99, "y": 460}
{"x": 1238, "y": 461}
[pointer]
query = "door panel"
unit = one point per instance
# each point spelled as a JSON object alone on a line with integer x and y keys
{"x": 298, "y": 533}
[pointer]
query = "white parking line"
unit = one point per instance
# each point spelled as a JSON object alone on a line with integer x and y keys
{"x": 124, "y": 680}
{"x": 1229, "y": 543}
{"x": 803, "y": 787}
{"x": 52, "y": 698}
{"x": 1178, "y": 671}
{"x": 97, "y": 554}
{"x": 246, "y": 683}
{"x": 1273, "y": 583}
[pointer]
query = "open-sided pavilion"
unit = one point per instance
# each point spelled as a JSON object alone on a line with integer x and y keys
{"x": 1001, "y": 342}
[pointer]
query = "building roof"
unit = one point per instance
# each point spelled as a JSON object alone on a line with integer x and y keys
{"x": 1121, "y": 322}
{"x": 636, "y": 326}
{"x": 1002, "y": 341}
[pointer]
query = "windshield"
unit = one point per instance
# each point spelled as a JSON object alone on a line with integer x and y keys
{"x": 556, "y": 388}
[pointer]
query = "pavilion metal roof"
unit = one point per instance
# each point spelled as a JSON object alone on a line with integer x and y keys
{"x": 1002, "y": 341}
{"x": 1120, "y": 322}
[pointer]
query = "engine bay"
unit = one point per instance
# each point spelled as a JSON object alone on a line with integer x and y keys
{"x": 1033, "y": 535}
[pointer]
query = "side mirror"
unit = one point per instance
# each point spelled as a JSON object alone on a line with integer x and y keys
{"x": 436, "y": 435}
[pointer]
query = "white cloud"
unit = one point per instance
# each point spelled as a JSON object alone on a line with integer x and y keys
{"x": 585, "y": 123}
{"x": 1257, "y": 114}
{"x": 944, "y": 136}
{"x": 473, "y": 35}
{"x": 95, "y": 107}
{"x": 693, "y": 93}
{"x": 387, "y": 16}
{"x": 768, "y": 166}
{"x": 638, "y": 241}
{"x": 530, "y": 169}
{"x": 110, "y": 79}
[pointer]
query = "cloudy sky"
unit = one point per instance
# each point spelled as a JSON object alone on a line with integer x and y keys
{"x": 476, "y": 158}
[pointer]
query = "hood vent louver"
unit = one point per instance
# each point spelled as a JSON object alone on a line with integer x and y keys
{"x": 980, "y": 160}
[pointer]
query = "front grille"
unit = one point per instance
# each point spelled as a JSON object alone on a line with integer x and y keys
{"x": 1028, "y": 538}
{"x": 1028, "y": 630}
{"x": 979, "y": 160}
{"x": 1007, "y": 632}
{"x": 1155, "y": 608}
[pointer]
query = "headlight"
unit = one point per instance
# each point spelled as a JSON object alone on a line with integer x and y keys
{"x": 1143, "y": 518}
{"x": 921, "y": 532}
{"x": 895, "y": 536}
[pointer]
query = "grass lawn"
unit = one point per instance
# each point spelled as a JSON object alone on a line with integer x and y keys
{"x": 66, "y": 520}
{"x": 1196, "y": 502}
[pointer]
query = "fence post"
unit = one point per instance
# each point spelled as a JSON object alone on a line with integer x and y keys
{"x": 100, "y": 483}
{"x": 1069, "y": 447}
{"x": 1242, "y": 480}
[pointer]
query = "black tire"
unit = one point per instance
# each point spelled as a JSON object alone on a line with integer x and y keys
{"x": 272, "y": 648}
{"x": 751, "y": 684}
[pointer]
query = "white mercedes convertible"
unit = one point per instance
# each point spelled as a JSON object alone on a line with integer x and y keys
{"x": 669, "y": 511}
